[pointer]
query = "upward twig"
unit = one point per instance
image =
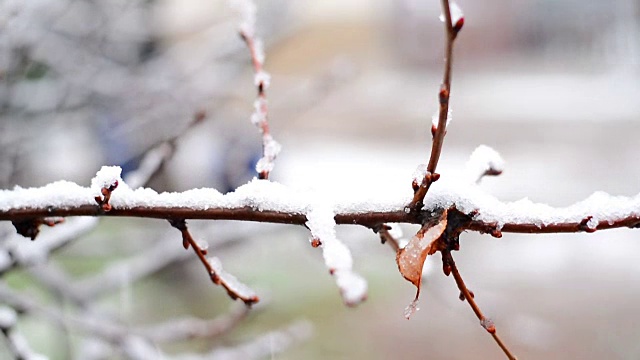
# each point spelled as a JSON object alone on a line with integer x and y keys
{"x": 270, "y": 147}
{"x": 443, "y": 97}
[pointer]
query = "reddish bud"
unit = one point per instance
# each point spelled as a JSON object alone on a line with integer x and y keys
{"x": 458, "y": 25}
{"x": 315, "y": 242}
{"x": 446, "y": 268}
{"x": 488, "y": 325}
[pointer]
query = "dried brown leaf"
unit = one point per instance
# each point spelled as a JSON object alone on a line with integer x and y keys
{"x": 411, "y": 258}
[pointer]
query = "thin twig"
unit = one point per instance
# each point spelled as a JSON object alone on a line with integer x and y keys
{"x": 189, "y": 328}
{"x": 260, "y": 117}
{"x": 443, "y": 97}
{"x": 486, "y": 323}
{"x": 216, "y": 278}
{"x": 387, "y": 238}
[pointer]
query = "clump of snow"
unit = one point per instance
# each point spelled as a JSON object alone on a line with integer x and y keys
{"x": 259, "y": 116}
{"x": 106, "y": 177}
{"x": 262, "y": 78}
{"x": 271, "y": 150}
{"x": 337, "y": 256}
{"x": 483, "y": 161}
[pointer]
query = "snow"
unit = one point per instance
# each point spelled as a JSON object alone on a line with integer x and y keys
{"x": 246, "y": 10}
{"x": 230, "y": 281}
{"x": 436, "y": 118}
{"x": 337, "y": 256}
{"x": 456, "y": 13}
{"x": 266, "y": 195}
{"x": 483, "y": 159}
{"x": 262, "y": 77}
{"x": 259, "y": 116}
{"x": 106, "y": 177}
{"x": 271, "y": 150}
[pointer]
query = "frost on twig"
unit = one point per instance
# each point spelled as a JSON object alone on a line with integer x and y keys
{"x": 484, "y": 161}
{"x": 219, "y": 276}
{"x": 337, "y": 256}
{"x": 270, "y": 148}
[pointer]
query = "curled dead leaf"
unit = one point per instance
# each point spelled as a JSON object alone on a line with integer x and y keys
{"x": 411, "y": 258}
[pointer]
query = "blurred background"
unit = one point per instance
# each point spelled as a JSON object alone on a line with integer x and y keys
{"x": 554, "y": 86}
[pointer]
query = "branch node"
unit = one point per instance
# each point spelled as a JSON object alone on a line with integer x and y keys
{"x": 587, "y": 226}
{"x": 488, "y": 325}
{"x": 106, "y": 196}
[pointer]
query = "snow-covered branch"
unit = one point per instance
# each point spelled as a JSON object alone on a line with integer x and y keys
{"x": 266, "y": 201}
{"x": 444, "y": 117}
{"x": 270, "y": 147}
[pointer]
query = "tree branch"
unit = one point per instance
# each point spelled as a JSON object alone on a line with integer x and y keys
{"x": 430, "y": 175}
{"x": 235, "y": 289}
{"x": 262, "y": 79}
{"x": 465, "y": 294}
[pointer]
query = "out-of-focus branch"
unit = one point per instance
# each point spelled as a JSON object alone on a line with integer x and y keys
{"x": 189, "y": 328}
{"x": 155, "y": 158}
{"x": 265, "y": 345}
{"x": 16, "y": 343}
{"x": 430, "y": 175}
{"x": 465, "y": 294}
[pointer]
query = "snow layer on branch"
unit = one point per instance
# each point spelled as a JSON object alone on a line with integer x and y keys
{"x": 483, "y": 161}
{"x": 456, "y": 13}
{"x": 337, "y": 256}
{"x": 231, "y": 282}
{"x": 264, "y": 195}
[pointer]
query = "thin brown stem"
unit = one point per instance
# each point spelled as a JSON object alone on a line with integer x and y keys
{"x": 486, "y": 323}
{"x": 270, "y": 148}
{"x": 443, "y": 97}
{"x": 217, "y": 279}
{"x": 387, "y": 238}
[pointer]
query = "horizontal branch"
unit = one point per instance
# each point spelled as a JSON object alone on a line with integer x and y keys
{"x": 369, "y": 219}
{"x": 266, "y": 201}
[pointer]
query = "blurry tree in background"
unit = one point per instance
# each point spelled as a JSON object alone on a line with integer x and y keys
{"x": 85, "y": 83}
